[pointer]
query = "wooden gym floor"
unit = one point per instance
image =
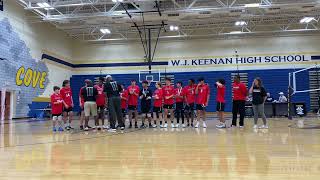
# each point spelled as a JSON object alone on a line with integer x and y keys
{"x": 29, "y": 150}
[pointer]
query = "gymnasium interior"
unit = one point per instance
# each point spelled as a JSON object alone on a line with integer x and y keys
{"x": 44, "y": 42}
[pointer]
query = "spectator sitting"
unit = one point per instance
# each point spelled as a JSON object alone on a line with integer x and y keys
{"x": 282, "y": 98}
{"x": 269, "y": 98}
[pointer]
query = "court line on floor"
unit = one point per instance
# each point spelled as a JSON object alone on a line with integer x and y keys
{"x": 72, "y": 140}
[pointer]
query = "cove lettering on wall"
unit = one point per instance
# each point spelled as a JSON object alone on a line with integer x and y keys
{"x": 30, "y": 78}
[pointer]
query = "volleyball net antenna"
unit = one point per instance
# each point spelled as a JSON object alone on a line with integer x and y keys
{"x": 295, "y": 79}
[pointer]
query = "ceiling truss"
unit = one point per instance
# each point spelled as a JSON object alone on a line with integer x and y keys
{"x": 83, "y": 19}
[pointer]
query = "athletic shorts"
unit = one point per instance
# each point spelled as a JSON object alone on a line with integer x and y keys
{"x": 70, "y": 109}
{"x": 168, "y": 106}
{"x": 90, "y": 108}
{"x": 145, "y": 109}
{"x": 200, "y": 107}
{"x": 220, "y": 106}
{"x": 101, "y": 111}
{"x": 189, "y": 107}
{"x": 157, "y": 109}
{"x": 132, "y": 108}
{"x": 56, "y": 115}
{"x": 179, "y": 106}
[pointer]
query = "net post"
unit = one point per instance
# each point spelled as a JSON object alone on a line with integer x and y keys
{"x": 290, "y": 93}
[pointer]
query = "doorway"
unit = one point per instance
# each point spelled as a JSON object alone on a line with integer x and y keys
{"x": 7, "y": 105}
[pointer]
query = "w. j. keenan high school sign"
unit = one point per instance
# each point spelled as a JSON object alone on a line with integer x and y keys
{"x": 242, "y": 60}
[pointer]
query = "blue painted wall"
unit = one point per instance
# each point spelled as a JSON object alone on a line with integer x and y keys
{"x": 275, "y": 81}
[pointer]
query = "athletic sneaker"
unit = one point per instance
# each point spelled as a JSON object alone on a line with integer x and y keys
{"x": 81, "y": 127}
{"x": 161, "y": 126}
{"x": 255, "y": 126}
{"x": 142, "y": 126}
{"x": 165, "y": 125}
{"x": 172, "y": 125}
{"x": 71, "y": 127}
{"x": 99, "y": 128}
{"x": 67, "y": 128}
{"x": 112, "y": 130}
{"x": 86, "y": 128}
{"x": 222, "y": 125}
{"x": 177, "y": 125}
{"x": 54, "y": 129}
{"x": 233, "y": 126}
{"x": 154, "y": 126}
{"x": 60, "y": 129}
{"x": 204, "y": 125}
{"x": 183, "y": 126}
{"x": 241, "y": 127}
{"x": 264, "y": 127}
{"x": 191, "y": 124}
{"x": 136, "y": 126}
{"x": 197, "y": 125}
{"x": 122, "y": 128}
{"x": 188, "y": 125}
{"x": 105, "y": 127}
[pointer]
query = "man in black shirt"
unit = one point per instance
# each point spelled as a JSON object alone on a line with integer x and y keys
{"x": 89, "y": 94}
{"x": 145, "y": 97}
{"x": 112, "y": 90}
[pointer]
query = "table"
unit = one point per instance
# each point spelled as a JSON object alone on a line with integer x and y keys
{"x": 279, "y": 109}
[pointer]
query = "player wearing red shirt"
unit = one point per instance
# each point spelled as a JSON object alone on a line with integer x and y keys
{"x": 202, "y": 100}
{"x": 101, "y": 103}
{"x": 168, "y": 96}
{"x": 57, "y": 109}
{"x": 66, "y": 95}
{"x": 221, "y": 90}
{"x": 124, "y": 101}
{"x": 190, "y": 97}
{"x": 239, "y": 99}
{"x": 179, "y": 96}
{"x": 133, "y": 92}
{"x": 157, "y": 104}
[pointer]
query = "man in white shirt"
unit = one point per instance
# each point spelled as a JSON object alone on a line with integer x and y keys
{"x": 282, "y": 98}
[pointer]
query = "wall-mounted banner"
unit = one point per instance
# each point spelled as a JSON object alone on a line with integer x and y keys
{"x": 241, "y": 60}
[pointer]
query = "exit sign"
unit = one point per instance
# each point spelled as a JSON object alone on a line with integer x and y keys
{"x": 1, "y": 5}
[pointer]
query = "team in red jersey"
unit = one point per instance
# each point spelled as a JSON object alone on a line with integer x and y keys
{"x": 221, "y": 90}
{"x": 168, "y": 96}
{"x": 179, "y": 96}
{"x": 133, "y": 97}
{"x": 101, "y": 101}
{"x": 57, "y": 104}
{"x": 202, "y": 101}
{"x": 66, "y": 95}
{"x": 190, "y": 98}
{"x": 158, "y": 104}
{"x": 167, "y": 102}
{"x": 124, "y": 101}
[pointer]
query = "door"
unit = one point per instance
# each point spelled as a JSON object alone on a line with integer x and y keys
{"x": 7, "y": 106}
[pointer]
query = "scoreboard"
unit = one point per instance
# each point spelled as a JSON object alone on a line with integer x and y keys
{"x": 1, "y": 5}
